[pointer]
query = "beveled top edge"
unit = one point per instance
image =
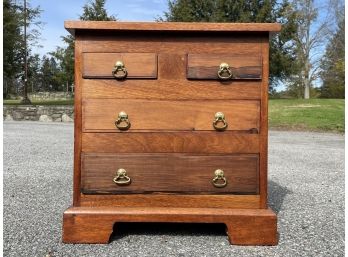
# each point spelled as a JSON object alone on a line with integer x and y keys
{"x": 72, "y": 26}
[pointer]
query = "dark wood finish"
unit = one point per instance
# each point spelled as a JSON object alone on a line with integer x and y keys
{"x": 71, "y": 26}
{"x": 180, "y": 111}
{"x": 171, "y": 142}
{"x": 182, "y": 173}
{"x": 172, "y": 200}
{"x": 138, "y": 65}
{"x": 101, "y": 114}
{"x": 244, "y": 226}
{"x": 206, "y": 66}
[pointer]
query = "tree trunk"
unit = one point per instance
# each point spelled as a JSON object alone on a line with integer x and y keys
{"x": 306, "y": 81}
{"x": 25, "y": 100}
{"x": 309, "y": 21}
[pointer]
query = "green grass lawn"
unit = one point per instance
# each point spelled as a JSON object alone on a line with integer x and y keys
{"x": 312, "y": 114}
{"x": 50, "y": 102}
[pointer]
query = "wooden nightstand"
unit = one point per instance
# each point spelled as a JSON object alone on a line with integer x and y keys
{"x": 171, "y": 126}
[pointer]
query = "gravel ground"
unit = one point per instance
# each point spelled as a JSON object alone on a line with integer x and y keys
{"x": 306, "y": 189}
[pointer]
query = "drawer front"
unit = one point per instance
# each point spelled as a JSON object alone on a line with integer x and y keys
{"x": 171, "y": 84}
{"x": 177, "y": 173}
{"x": 171, "y": 142}
{"x": 223, "y": 67}
{"x": 148, "y": 115}
{"x": 136, "y": 65}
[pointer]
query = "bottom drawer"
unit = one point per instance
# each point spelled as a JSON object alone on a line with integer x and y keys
{"x": 171, "y": 173}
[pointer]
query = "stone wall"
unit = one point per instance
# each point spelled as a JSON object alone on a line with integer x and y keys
{"x": 46, "y": 96}
{"x": 50, "y": 96}
{"x": 39, "y": 113}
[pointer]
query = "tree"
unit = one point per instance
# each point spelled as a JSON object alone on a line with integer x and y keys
{"x": 64, "y": 56}
{"x": 11, "y": 58}
{"x": 332, "y": 66}
{"x": 312, "y": 35}
{"x": 46, "y": 74}
{"x": 281, "y": 48}
{"x": 14, "y": 50}
{"x": 33, "y": 72}
{"x": 95, "y": 11}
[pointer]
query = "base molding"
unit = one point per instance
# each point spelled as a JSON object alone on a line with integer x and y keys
{"x": 244, "y": 226}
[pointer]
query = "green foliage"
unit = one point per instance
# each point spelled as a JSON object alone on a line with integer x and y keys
{"x": 13, "y": 56}
{"x": 64, "y": 56}
{"x": 34, "y": 63}
{"x": 332, "y": 66}
{"x": 47, "y": 80}
{"x": 12, "y": 34}
{"x": 281, "y": 49}
{"x": 95, "y": 11}
{"x": 307, "y": 114}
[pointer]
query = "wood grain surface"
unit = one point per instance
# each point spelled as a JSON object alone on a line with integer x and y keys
{"x": 149, "y": 115}
{"x": 171, "y": 142}
{"x": 244, "y": 226}
{"x": 138, "y": 65}
{"x": 77, "y": 124}
{"x": 206, "y": 66}
{"x": 71, "y": 26}
{"x": 182, "y": 173}
{"x": 264, "y": 124}
{"x": 165, "y": 89}
{"x": 171, "y": 84}
{"x": 172, "y": 200}
{"x": 241, "y": 44}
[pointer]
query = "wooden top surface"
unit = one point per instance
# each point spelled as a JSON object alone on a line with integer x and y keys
{"x": 72, "y": 26}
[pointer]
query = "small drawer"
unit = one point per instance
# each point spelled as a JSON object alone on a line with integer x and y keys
{"x": 177, "y": 173}
{"x": 119, "y": 65}
{"x": 154, "y": 115}
{"x": 223, "y": 67}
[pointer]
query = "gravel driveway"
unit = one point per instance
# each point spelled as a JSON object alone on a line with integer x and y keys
{"x": 306, "y": 189}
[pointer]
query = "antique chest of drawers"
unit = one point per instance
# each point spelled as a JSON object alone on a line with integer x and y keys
{"x": 170, "y": 126}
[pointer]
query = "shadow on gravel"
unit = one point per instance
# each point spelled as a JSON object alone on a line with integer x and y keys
{"x": 171, "y": 229}
{"x": 276, "y": 195}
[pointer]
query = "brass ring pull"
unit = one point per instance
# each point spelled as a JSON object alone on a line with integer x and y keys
{"x": 119, "y": 71}
{"x": 224, "y": 72}
{"x": 219, "y": 180}
{"x": 121, "y": 178}
{"x": 122, "y": 123}
{"x": 220, "y": 118}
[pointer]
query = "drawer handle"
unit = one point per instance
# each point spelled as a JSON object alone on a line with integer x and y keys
{"x": 224, "y": 72}
{"x": 119, "y": 71}
{"x": 219, "y": 180}
{"x": 122, "y": 123}
{"x": 220, "y": 118}
{"x": 121, "y": 178}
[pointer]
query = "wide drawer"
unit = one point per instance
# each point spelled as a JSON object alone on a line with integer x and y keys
{"x": 177, "y": 173}
{"x": 151, "y": 115}
{"x": 133, "y": 65}
{"x": 171, "y": 142}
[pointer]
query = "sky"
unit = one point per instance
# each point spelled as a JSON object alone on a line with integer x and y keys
{"x": 54, "y": 13}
